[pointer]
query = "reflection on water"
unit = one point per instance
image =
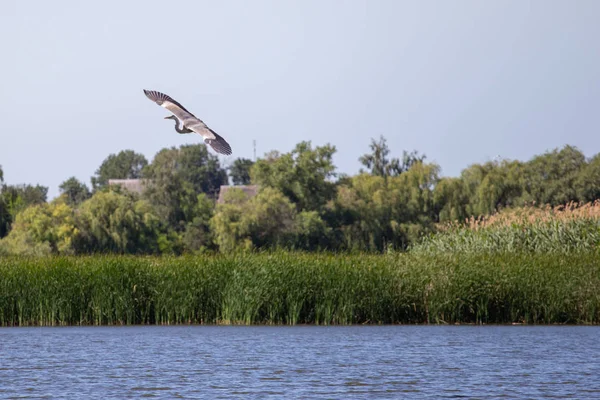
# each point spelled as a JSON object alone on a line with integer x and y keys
{"x": 300, "y": 362}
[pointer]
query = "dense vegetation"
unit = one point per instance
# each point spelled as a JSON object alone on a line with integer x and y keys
{"x": 302, "y": 204}
{"x": 295, "y": 288}
{"x": 506, "y": 241}
{"x": 561, "y": 230}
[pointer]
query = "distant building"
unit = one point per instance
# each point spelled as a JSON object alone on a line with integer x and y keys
{"x": 250, "y": 190}
{"x": 133, "y": 185}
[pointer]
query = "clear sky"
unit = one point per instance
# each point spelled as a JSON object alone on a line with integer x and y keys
{"x": 461, "y": 81}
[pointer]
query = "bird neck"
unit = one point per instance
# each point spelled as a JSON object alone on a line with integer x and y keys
{"x": 178, "y": 129}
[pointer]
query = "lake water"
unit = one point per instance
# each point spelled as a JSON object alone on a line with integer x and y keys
{"x": 300, "y": 362}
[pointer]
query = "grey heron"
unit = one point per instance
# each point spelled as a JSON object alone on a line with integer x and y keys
{"x": 189, "y": 122}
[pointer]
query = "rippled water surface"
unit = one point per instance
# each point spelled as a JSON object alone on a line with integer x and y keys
{"x": 300, "y": 362}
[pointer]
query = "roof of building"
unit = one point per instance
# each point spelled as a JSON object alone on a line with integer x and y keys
{"x": 133, "y": 185}
{"x": 250, "y": 190}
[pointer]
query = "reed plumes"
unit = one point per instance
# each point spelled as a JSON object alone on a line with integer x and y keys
{"x": 563, "y": 229}
{"x": 296, "y": 288}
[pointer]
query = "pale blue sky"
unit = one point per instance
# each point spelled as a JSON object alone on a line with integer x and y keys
{"x": 461, "y": 81}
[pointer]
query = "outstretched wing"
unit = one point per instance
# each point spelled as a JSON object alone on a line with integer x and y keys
{"x": 170, "y": 104}
{"x": 218, "y": 144}
{"x": 211, "y": 137}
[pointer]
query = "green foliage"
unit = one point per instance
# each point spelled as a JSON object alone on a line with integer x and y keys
{"x": 177, "y": 177}
{"x": 226, "y": 223}
{"x": 450, "y": 199}
{"x": 551, "y": 178}
{"x": 300, "y": 206}
{"x": 296, "y": 288}
{"x": 19, "y": 197}
{"x": 378, "y": 163}
{"x": 548, "y": 231}
{"x": 375, "y": 213}
{"x": 267, "y": 220}
{"x": 5, "y": 217}
{"x": 116, "y": 222}
{"x": 75, "y": 192}
{"x": 587, "y": 183}
{"x": 491, "y": 186}
{"x": 311, "y": 232}
{"x": 197, "y": 236}
{"x": 41, "y": 230}
{"x": 127, "y": 164}
{"x": 303, "y": 175}
{"x": 240, "y": 171}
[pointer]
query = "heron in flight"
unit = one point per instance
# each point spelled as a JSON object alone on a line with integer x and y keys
{"x": 189, "y": 122}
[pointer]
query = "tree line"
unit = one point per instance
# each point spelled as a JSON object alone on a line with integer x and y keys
{"x": 302, "y": 202}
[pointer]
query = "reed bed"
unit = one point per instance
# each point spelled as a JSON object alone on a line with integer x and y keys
{"x": 564, "y": 229}
{"x": 298, "y": 288}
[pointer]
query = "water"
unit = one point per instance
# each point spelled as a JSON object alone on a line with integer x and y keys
{"x": 300, "y": 362}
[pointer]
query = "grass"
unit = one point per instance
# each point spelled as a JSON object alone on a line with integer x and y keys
{"x": 565, "y": 230}
{"x": 298, "y": 288}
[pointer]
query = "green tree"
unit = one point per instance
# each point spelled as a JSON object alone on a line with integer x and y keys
{"x": 303, "y": 175}
{"x": 355, "y": 221}
{"x": 412, "y": 203}
{"x": 5, "y": 218}
{"x": 226, "y": 226}
{"x": 587, "y": 182}
{"x": 378, "y": 164}
{"x": 75, "y": 191}
{"x": 311, "y": 232}
{"x": 116, "y": 222}
{"x": 42, "y": 229}
{"x": 492, "y": 186}
{"x": 19, "y": 197}
{"x": 125, "y": 165}
{"x": 240, "y": 171}
{"x": 176, "y": 177}
{"x": 450, "y": 200}
{"x": 198, "y": 236}
{"x": 266, "y": 220}
{"x": 374, "y": 213}
{"x": 551, "y": 178}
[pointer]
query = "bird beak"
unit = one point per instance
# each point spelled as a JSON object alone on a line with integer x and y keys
{"x": 167, "y": 117}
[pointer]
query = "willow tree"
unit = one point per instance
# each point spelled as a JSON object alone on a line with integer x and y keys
{"x": 267, "y": 220}
{"x": 42, "y": 229}
{"x": 551, "y": 178}
{"x": 116, "y": 222}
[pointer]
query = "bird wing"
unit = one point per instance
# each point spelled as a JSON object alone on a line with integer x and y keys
{"x": 218, "y": 144}
{"x": 211, "y": 137}
{"x": 170, "y": 104}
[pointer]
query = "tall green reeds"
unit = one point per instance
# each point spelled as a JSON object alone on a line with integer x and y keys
{"x": 298, "y": 288}
{"x": 565, "y": 229}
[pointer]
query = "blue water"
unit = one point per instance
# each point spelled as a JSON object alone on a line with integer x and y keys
{"x": 362, "y": 362}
